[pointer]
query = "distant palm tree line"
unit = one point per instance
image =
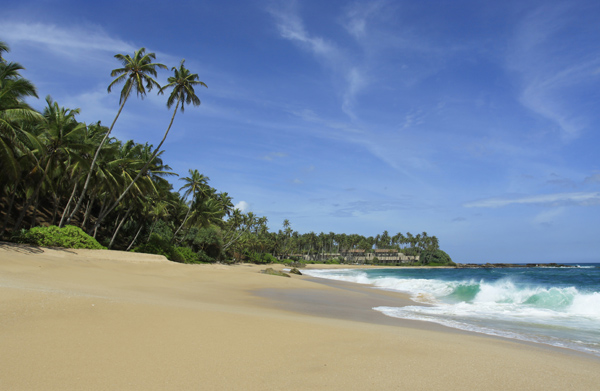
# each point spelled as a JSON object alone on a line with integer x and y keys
{"x": 58, "y": 171}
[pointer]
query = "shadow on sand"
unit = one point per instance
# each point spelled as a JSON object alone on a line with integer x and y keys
{"x": 29, "y": 248}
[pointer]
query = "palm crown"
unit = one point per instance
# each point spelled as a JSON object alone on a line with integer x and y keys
{"x": 136, "y": 73}
{"x": 183, "y": 83}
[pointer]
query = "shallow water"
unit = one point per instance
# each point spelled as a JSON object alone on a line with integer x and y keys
{"x": 555, "y": 306}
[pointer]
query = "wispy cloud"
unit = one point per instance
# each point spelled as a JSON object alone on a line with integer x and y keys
{"x": 70, "y": 41}
{"x": 357, "y": 16}
{"x": 356, "y": 81}
{"x": 553, "y": 70}
{"x": 291, "y": 27}
{"x": 559, "y": 199}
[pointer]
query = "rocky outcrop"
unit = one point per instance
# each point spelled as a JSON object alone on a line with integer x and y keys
{"x": 274, "y": 272}
{"x": 295, "y": 271}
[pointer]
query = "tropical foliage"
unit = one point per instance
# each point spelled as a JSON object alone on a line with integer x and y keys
{"x": 59, "y": 172}
{"x": 52, "y": 236}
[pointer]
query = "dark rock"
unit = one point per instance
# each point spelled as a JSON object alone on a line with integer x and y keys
{"x": 295, "y": 271}
{"x": 274, "y": 272}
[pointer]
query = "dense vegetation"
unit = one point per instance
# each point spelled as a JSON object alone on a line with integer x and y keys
{"x": 72, "y": 175}
{"x": 52, "y": 236}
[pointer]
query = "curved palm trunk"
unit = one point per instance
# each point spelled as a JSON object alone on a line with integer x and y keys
{"x": 88, "y": 210}
{"x": 112, "y": 240}
{"x": 141, "y": 172}
{"x": 135, "y": 237}
{"x": 89, "y": 176}
{"x": 64, "y": 215}
{"x": 187, "y": 215}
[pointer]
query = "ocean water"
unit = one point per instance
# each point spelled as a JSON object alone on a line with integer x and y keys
{"x": 549, "y": 305}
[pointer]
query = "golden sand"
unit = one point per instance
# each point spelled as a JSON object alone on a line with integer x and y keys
{"x": 109, "y": 320}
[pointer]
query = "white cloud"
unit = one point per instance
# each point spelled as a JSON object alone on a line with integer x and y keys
{"x": 356, "y": 81}
{"x": 242, "y": 206}
{"x": 70, "y": 41}
{"x": 356, "y": 19}
{"x": 559, "y": 199}
{"x": 552, "y": 70}
{"x": 291, "y": 27}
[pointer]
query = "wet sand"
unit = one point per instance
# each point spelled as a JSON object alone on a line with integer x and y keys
{"x": 107, "y": 320}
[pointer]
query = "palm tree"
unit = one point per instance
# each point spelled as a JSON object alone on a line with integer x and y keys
{"x": 136, "y": 71}
{"x": 61, "y": 136}
{"x": 183, "y": 93}
{"x": 194, "y": 185}
{"x": 13, "y": 113}
{"x": 3, "y": 49}
{"x": 16, "y": 143}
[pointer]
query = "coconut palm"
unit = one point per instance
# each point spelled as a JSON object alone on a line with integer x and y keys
{"x": 14, "y": 112}
{"x": 16, "y": 143}
{"x": 194, "y": 184}
{"x": 136, "y": 74}
{"x": 60, "y": 136}
{"x": 3, "y": 49}
{"x": 183, "y": 93}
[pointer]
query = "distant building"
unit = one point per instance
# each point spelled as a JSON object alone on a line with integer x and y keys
{"x": 358, "y": 256}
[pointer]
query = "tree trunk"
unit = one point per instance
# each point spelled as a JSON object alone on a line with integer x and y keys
{"x": 9, "y": 209}
{"x": 66, "y": 211}
{"x": 184, "y": 221}
{"x": 34, "y": 214}
{"x": 141, "y": 172}
{"x": 87, "y": 179}
{"x": 33, "y": 198}
{"x": 135, "y": 237}
{"x": 102, "y": 209}
{"x": 87, "y": 212}
{"x": 119, "y": 227}
{"x": 55, "y": 209}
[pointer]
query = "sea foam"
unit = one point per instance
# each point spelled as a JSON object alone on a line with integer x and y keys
{"x": 509, "y": 307}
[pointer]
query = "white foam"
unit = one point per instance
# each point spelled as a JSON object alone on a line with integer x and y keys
{"x": 501, "y": 308}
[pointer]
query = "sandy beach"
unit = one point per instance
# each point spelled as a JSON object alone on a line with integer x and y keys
{"x": 110, "y": 320}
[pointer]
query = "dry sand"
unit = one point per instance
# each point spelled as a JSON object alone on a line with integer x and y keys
{"x": 107, "y": 320}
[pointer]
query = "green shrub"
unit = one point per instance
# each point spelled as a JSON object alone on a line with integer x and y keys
{"x": 163, "y": 230}
{"x": 435, "y": 258}
{"x": 204, "y": 257}
{"x": 258, "y": 258}
{"x": 268, "y": 258}
{"x": 208, "y": 239}
{"x": 155, "y": 245}
{"x": 52, "y": 236}
{"x": 186, "y": 254}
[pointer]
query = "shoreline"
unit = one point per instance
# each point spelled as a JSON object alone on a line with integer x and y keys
{"x": 372, "y": 296}
{"x": 72, "y": 321}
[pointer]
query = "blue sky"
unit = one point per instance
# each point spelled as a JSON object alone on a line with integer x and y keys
{"x": 475, "y": 121}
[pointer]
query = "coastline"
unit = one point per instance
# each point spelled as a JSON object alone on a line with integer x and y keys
{"x": 81, "y": 320}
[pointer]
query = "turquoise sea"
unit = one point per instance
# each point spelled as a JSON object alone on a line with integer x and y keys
{"x": 558, "y": 306}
